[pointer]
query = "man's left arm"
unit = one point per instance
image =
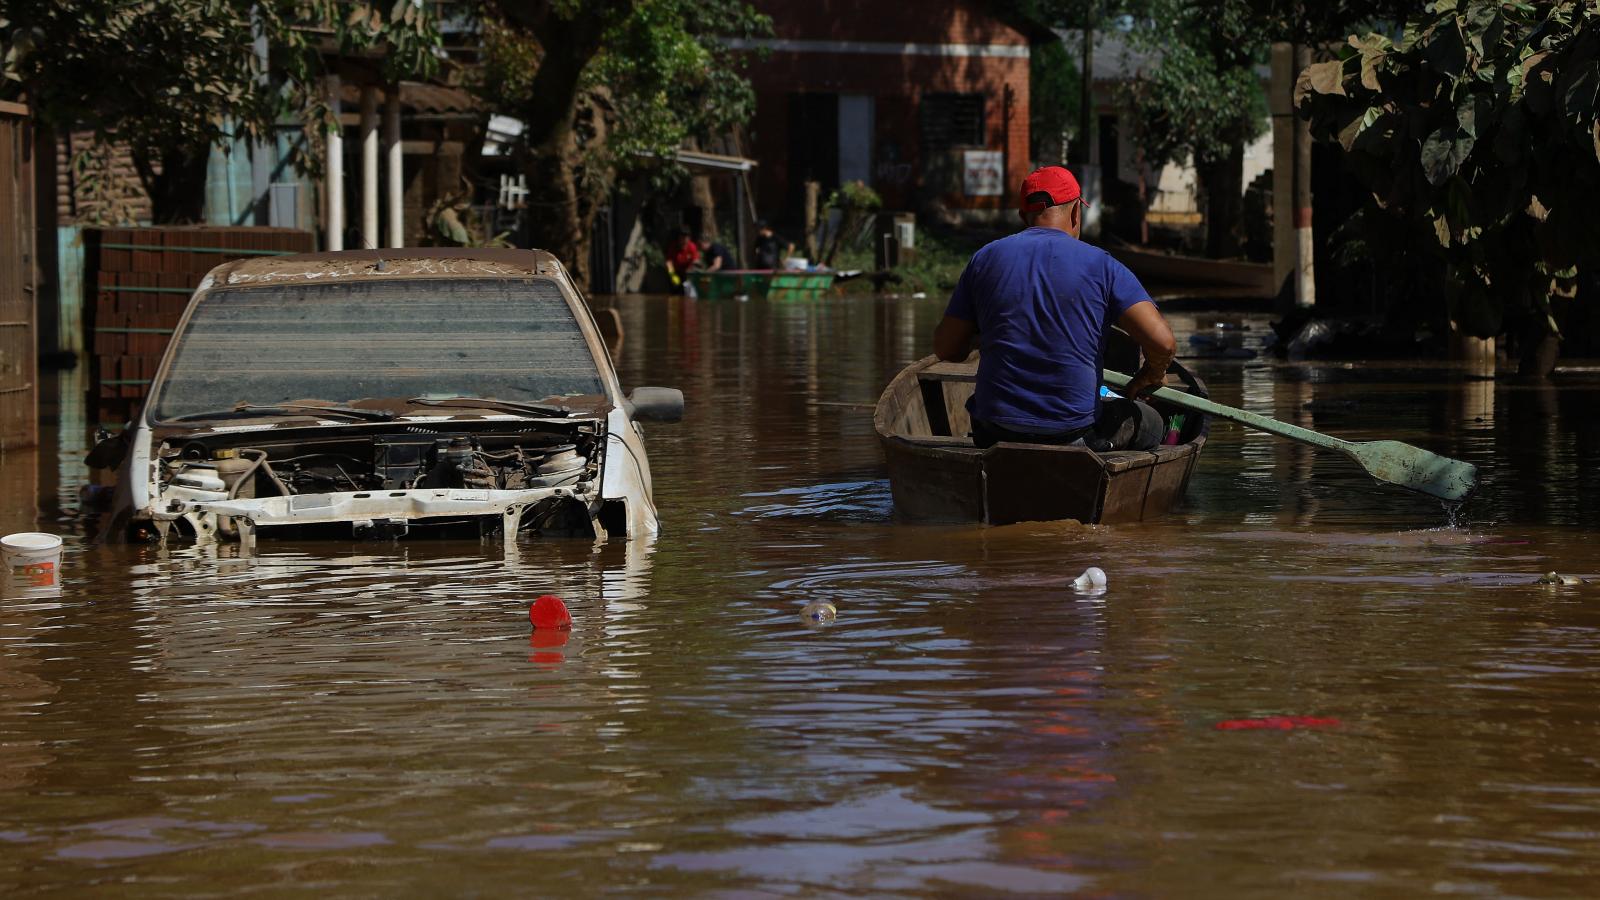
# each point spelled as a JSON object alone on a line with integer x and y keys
{"x": 1149, "y": 329}
{"x": 957, "y": 334}
{"x": 1139, "y": 317}
{"x": 954, "y": 339}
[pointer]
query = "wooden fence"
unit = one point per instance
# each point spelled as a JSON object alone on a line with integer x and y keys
{"x": 19, "y": 369}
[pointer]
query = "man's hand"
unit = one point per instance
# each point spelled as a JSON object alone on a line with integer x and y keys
{"x": 1144, "y": 381}
{"x": 1145, "y": 324}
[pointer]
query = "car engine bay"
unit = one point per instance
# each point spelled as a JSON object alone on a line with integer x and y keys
{"x": 199, "y": 473}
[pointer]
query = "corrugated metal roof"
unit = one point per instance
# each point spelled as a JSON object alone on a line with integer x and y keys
{"x": 418, "y": 98}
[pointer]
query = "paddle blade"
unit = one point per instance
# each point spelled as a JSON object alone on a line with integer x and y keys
{"x": 1411, "y": 467}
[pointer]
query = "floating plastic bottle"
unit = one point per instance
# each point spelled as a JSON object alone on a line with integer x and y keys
{"x": 819, "y": 612}
{"x": 1555, "y": 578}
{"x": 1093, "y": 580}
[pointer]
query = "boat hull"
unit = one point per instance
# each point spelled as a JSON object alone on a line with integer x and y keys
{"x": 1217, "y": 277}
{"x": 775, "y": 284}
{"x": 937, "y": 475}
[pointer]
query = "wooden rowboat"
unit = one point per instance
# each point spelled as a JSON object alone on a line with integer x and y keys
{"x": 937, "y": 475}
{"x": 1176, "y": 275}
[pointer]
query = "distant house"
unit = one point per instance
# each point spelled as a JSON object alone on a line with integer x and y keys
{"x": 1173, "y": 200}
{"x": 925, "y": 103}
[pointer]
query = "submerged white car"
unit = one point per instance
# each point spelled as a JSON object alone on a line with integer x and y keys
{"x": 380, "y": 393}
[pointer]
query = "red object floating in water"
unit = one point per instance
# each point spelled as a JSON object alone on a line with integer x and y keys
{"x": 546, "y": 644}
{"x": 1277, "y": 723}
{"x": 549, "y": 612}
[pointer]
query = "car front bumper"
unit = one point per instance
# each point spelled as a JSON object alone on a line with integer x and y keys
{"x": 362, "y": 509}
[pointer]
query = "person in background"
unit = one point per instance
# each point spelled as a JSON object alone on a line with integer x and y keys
{"x": 1038, "y": 304}
{"x": 683, "y": 254}
{"x": 718, "y": 258}
{"x": 770, "y": 249}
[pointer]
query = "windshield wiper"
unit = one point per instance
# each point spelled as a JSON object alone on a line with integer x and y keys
{"x": 374, "y": 415}
{"x": 540, "y": 409}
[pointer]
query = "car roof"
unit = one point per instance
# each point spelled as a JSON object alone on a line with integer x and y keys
{"x": 400, "y": 263}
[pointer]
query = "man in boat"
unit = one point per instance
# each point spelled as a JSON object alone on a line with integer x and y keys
{"x": 770, "y": 249}
{"x": 719, "y": 258}
{"x": 1038, "y": 305}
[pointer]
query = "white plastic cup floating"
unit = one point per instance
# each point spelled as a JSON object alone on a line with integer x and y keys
{"x": 32, "y": 559}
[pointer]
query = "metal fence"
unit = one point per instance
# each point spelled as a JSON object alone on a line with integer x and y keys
{"x": 19, "y": 371}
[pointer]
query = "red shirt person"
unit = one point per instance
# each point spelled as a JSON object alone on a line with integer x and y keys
{"x": 682, "y": 254}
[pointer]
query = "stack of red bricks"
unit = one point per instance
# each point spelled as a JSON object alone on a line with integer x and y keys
{"x": 142, "y": 279}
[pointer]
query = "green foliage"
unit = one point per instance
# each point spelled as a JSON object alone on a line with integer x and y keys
{"x": 1247, "y": 23}
{"x": 661, "y": 72}
{"x": 856, "y": 204}
{"x": 1055, "y": 94}
{"x": 668, "y": 70}
{"x": 939, "y": 262}
{"x": 102, "y": 198}
{"x": 169, "y": 79}
{"x": 153, "y": 72}
{"x": 301, "y": 34}
{"x": 1204, "y": 97}
{"x": 618, "y": 85}
{"x": 1482, "y": 124}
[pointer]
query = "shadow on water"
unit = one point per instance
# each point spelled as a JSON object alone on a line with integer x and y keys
{"x": 373, "y": 718}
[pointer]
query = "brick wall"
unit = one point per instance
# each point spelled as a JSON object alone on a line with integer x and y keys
{"x": 902, "y": 171}
{"x": 142, "y": 279}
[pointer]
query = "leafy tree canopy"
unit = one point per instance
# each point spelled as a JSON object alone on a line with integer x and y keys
{"x": 172, "y": 78}
{"x": 1204, "y": 96}
{"x": 1482, "y": 123}
{"x": 601, "y": 85}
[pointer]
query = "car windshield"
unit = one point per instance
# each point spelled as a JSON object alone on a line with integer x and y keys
{"x": 503, "y": 339}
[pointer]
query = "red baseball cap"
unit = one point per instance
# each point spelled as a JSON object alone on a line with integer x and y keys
{"x": 1048, "y": 186}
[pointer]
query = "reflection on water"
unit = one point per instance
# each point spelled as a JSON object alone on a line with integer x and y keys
{"x": 365, "y": 718}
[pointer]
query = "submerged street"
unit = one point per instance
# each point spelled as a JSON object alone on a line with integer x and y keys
{"x": 374, "y": 718}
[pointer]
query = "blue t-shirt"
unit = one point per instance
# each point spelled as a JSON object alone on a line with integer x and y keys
{"x": 1041, "y": 300}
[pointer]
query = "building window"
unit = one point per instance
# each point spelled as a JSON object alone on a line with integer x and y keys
{"x": 951, "y": 120}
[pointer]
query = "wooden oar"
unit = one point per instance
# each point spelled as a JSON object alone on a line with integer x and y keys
{"x": 1410, "y": 467}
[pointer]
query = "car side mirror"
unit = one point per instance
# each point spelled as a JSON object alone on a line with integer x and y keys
{"x": 109, "y": 449}
{"x": 656, "y": 404}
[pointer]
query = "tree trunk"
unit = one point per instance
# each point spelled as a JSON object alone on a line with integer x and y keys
{"x": 813, "y": 192}
{"x": 702, "y": 199}
{"x": 561, "y": 219}
{"x": 557, "y": 223}
{"x": 1541, "y": 350}
{"x": 177, "y": 187}
{"x": 1222, "y": 182}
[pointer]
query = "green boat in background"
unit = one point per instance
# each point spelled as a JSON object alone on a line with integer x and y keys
{"x": 776, "y": 284}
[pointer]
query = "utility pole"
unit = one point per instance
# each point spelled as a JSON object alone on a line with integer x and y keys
{"x": 1081, "y": 151}
{"x": 1305, "y": 293}
{"x": 265, "y": 144}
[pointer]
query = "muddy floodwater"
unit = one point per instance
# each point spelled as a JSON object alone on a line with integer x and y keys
{"x": 1301, "y": 684}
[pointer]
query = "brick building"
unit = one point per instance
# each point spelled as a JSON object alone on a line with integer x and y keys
{"x": 927, "y": 103}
